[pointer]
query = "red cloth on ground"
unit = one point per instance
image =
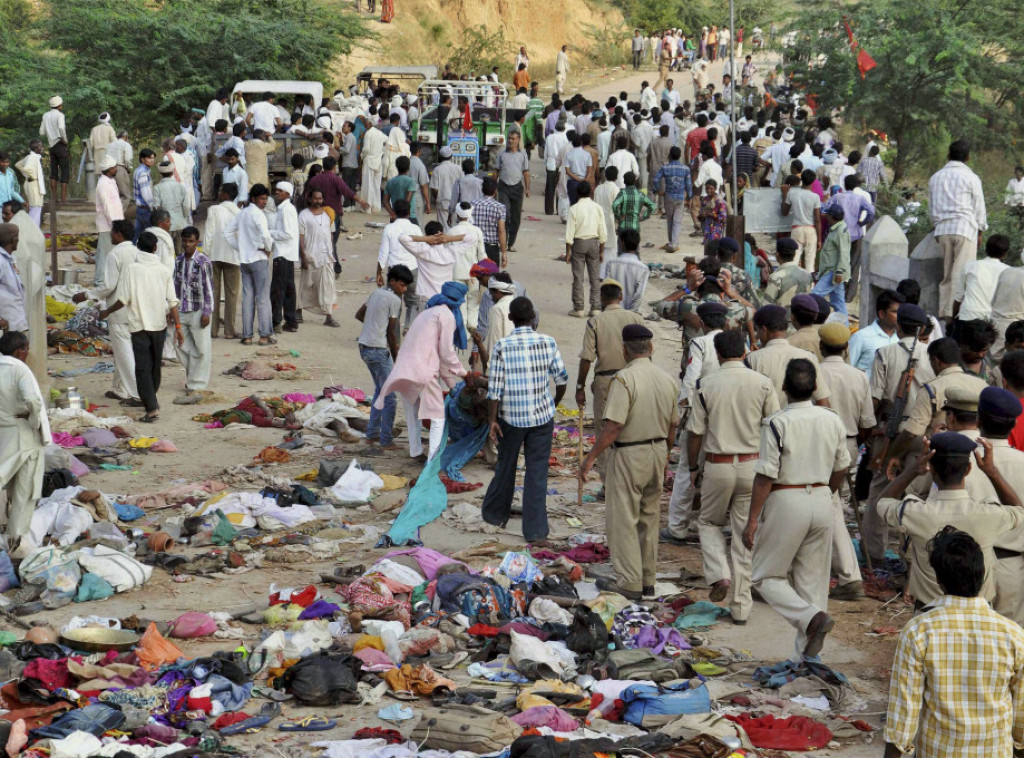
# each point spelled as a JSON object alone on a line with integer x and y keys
{"x": 227, "y": 719}
{"x": 457, "y": 488}
{"x": 52, "y": 674}
{"x": 393, "y": 736}
{"x": 482, "y": 630}
{"x": 588, "y": 552}
{"x": 793, "y": 733}
{"x": 304, "y": 597}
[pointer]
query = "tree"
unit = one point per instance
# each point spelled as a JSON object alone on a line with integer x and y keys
{"x": 944, "y": 69}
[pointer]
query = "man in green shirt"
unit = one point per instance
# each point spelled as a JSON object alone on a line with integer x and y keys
{"x": 834, "y": 262}
{"x": 631, "y": 206}
{"x": 401, "y": 187}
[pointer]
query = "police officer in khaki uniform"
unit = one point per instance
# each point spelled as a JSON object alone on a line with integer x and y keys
{"x": 728, "y": 407}
{"x": 949, "y": 457}
{"x": 771, "y": 324}
{"x": 700, "y": 361}
{"x": 851, "y": 400}
{"x": 886, "y": 372}
{"x": 803, "y": 459}
{"x": 602, "y": 349}
{"x": 640, "y": 420}
{"x": 803, "y": 310}
{"x": 788, "y": 280}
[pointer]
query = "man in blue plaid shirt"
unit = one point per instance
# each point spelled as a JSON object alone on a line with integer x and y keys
{"x": 522, "y": 413}
{"x": 673, "y": 181}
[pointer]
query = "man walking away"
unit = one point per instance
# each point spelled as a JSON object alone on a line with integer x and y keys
{"x": 286, "y": 254}
{"x": 674, "y": 185}
{"x": 834, "y": 263}
{"x": 956, "y": 203}
{"x": 958, "y": 645}
{"x": 193, "y": 284}
{"x": 491, "y": 216}
{"x": 446, "y": 173}
{"x": 171, "y": 196}
{"x": 629, "y": 270}
{"x": 803, "y": 459}
{"x": 639, "y": 419}
{"x": 974, "y": 292}
{"x": 585, "y": 237}
{"x": 146, "y": 291}
{"x": 522, "y": 411}
{"x": 249, "y": 234}
{"x": 378, "y": 347}
{"x": 24, "y": 435}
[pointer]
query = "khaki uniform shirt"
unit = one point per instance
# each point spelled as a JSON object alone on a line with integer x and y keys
{"x": 602, "y": 340}
{"x": 729, "y": 406}
{"x": 802, "y": 444}
{"x": 985, "y": 520}
{"x": 890, "y": 363}
{"x": 851, "y": 394}
{"x": 927, "y": 412}
{"x": 772, "y": 359}
{"x": 643, "y": 399}
{"x": 785, "y": 282}
{"x": 806, "y": 338}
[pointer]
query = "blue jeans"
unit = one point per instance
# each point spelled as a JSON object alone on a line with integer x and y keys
{"x": 142, "y": 219}
{"x": 256, "y": 298}
{"x": 834, "y": 293}
{"x": 378, "y": 360}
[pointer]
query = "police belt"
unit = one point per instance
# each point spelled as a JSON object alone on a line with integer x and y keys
{"x": 638, "y": 442}
{"x": 797, "y": 486}
{"x": 612, "y": 372}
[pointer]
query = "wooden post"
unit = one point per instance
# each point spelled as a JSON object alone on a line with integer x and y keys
{"x": 53, "y": 237}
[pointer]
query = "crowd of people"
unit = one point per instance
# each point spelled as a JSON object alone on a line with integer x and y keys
{"x": 779, "y": 409}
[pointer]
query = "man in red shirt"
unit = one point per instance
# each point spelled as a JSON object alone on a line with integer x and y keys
{"x": 1012, "y": 369}
{"x": 335, "y": 191}
{"x": 695, "y": 137}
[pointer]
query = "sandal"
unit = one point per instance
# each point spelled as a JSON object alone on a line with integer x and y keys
{"x": 246, "y": 340}
{"x": 264, "y": 341}
{"x": 268, "y": 713}
{"x": 308, "y": 724}
{"x": 150, "y": 418}
{"x": 131, "y": 403}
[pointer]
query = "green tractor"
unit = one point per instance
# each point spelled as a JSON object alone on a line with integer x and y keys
{"x": 438, "y": 127}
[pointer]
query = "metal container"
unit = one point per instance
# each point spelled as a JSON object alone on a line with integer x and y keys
{"x": 99, "y": 640}
{"x": 67, "y": 276}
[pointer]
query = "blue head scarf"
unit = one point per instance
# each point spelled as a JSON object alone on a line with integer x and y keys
{"x": 453, "y": 294}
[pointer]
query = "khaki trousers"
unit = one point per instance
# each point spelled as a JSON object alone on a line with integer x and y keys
{"x": 206, "y": 172}
{"x": 725, "y": 498}
{"x": 124, "y": 385}
{"x": 680, "y": 504}
{"x": 807, "y": 238}
{"x": 194, "y": 353}
{"x": 844, "y": 557}
{"x": 227, "y": 277}
{"x": 1009, "y": 580}
{"x": 794, "y": 538}
{"x": 957, "y": 252}
{"x": 586, "y": 262}
{"x": 632, "y": 508}
{"x": 599, "y": 387}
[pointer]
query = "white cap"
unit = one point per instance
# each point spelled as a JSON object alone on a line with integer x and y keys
{"x": 106, "y": 163}
{"x": 465, "y": 214}
{"x": 446, "y": 152}
{"x": 396, "y": 101}
{"x": 104, "y": 118}
{"x": 286, "y": 187}
{"x": 56, "y": 101}
{"x": 788, "y": 133}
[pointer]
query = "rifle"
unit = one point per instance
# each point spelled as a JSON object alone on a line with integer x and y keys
{"x": 899, "y": 404}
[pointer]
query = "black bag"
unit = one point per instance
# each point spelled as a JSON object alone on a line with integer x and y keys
{"x": 588, "y": 635}
{"x": 322, "y": 679}
{"x": 58, "y": 479}
{"x": 555, "y": 586}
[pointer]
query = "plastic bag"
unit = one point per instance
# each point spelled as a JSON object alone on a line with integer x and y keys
{"x": 356, "y": 485}
{"x": 193, "y": 624}
{"x": 520, "y": 567}
{"x": 588, "y": 634}
{"x": 324, "y": 679}
{"x": 93, "y": 587}
{"x": 121, "y": 571}
{"x": 154, "y": 651}
{"x": 56, "y": 569}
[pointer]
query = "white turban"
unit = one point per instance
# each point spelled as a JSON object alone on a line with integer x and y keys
{"x": 321, "y": 151}
{"x": 505, "y": 287}
{"x": 56, "y": 101}
{"x": 466, "y": 214}
{"x": 104, "y": 118}
{"x": 286, "y": 187}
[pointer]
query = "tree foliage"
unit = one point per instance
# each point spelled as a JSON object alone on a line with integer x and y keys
{"x": 691, "y": 15}
{"x": 946, "y": 69}
{"x": 147, "y": 62}
{"x": 480, "y": 49}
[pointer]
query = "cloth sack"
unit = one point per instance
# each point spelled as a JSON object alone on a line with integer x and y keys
{"x": 465, "y": 727}
{"x": 120, "y": 571}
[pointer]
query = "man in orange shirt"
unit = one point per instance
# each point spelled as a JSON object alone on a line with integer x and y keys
{"x": 521, "y": 78}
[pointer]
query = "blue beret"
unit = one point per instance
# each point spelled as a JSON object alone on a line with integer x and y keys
{"x": 787, "y": 245}
{"x": 952, "y": 445}
{"x": 804, "y": 302}
{"x": 824, "y": 306}
{"x": 636, "y": 332}
{"x": 770, "y": 314}
{"x": 712, "y": 308}
{"x": 728, "y": 243}
{"x": 995, "y": 401}
{"x": 911, "y": 315}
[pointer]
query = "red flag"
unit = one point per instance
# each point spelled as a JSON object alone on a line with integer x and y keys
{"x": 864, "y": 62}
{"x": 467, "y": 119}
{"x": 849, "y": 33}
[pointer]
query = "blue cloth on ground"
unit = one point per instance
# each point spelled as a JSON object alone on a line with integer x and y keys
{"x": 465, "y": 437}
{"x": 425, "y": 502}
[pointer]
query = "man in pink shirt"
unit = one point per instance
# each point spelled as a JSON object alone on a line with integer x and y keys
{"x": 108, "y": 210}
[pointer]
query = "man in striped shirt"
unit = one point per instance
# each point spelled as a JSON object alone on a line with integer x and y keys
{"x": 193, "y": 284}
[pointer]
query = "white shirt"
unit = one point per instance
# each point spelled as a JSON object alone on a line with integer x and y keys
{"x": 146, "y": 291}
{"x": 264, "y": 116}
{"x": 437, "y": 261}
{"x": 286, "y": 232}
{"x": 249, "y": 234}
{"x": 956, "y": 201}
{"x": 777, "y": 155}
{"x": 237, "y": 175}
{"x": 520, "y": 58}
{"x": 553, "y": 147}
{"x": 672, "y": 95}
{"x": 216, "y": 111}
{"x": 467, "y": 257}
{"x": 53, "y": 126}
{"x": 391, "y": 252}
{"x": 624, "y": 161}
{"x": 648, "y": 98}
{"x": 215, "y": 245}
{"x": 1014, "y": 192}
{"x": 976, "y": 286}
{"x": 120, "y": 151}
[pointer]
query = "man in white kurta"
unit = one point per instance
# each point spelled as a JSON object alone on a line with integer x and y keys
{"x": 467, "y": 258}
{"x": 108, "y": 210}
{"x": 372, "y": 154}
{"x": 99, "y": 138}
{"x": 604, "y": 196}
{"x": 316, "y": 285}
{"x": 34, "y": 188}
{"x": 24, "y": 435}
{"x": 30, "y": 258}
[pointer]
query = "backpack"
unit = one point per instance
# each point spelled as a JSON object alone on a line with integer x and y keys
{"x": 465, "y": 727}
